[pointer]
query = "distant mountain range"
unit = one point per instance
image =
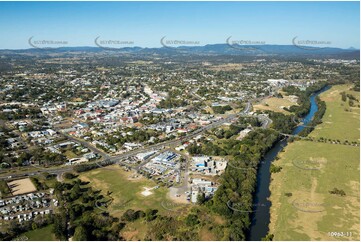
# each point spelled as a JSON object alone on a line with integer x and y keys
{"x": 211, "y": 49}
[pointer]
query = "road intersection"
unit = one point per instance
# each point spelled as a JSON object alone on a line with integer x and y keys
{"x": 118, "y": 158}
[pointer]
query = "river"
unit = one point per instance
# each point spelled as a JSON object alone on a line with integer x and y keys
{"x": 260, "y": 218}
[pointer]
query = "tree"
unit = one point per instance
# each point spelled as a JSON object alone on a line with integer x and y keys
{"x": 34, "y": 226}
{"x": 80, "y": 234}
{"x": 69, "y": 175}
{"x": 201, "y": 198}
{"x": 150, "y": 214}
{"x": 130, "y": 215}
{"x": 275, "y": 169}
{"x": 60, "y": 226}
{"x": 192, "y": 220}
{"x": 268, "y": 237}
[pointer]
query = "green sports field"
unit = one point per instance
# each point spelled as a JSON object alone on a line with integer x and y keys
{"x": 126, "y": 190}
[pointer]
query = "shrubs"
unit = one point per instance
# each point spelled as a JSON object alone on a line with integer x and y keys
{"x": 39, "y": 186}
{"x": 192, "y": 220}
{"x": 344, "y": 98}
{"x": 150, "y": 214}
{"x": 338, "y": 192}
{"x": 68, "y": 175}
{"x": 269, "y": 237}
{"x": 221, "y": 109}
{"x": 275, "y": 169}
{"x": 131, "y": 215}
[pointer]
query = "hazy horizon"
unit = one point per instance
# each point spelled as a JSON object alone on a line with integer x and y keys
{"x": 144, "y": 23}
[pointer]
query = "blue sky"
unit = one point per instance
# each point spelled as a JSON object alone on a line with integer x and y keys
{"x": 145, "y": 23}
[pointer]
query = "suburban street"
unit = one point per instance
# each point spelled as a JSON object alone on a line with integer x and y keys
{"x": 117, "y": 158}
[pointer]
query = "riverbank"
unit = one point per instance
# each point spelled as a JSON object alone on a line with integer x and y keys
{"x": 260, "y": 218}
{"x": 302, "y": 206}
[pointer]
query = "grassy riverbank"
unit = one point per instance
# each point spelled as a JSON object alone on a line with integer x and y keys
{"x": 302, "y": 206}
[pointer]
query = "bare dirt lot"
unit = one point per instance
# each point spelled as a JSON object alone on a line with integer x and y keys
{"x": 21, "y": 186}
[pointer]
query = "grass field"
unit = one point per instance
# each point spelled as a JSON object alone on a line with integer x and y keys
{"x": 70, "y": 154}
{"x": 135, "y": 231}
{"x": 274, "y": 104}
{"x": 338, "y": 123}
{"x": 126, "y": 191}
{"x": 42, "y": 234}
{"x": 302, "y": 206}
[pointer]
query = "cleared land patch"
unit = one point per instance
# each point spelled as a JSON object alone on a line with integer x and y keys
{"x": 21, "y": 186}
{"x": 275, "y": 104}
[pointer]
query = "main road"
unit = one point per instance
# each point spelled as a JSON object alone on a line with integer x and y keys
{"x": 171, "y": 143}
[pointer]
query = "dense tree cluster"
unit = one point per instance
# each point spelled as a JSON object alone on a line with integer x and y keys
{"x": 304, "y": 103}
{"x": 4, "y": 189}
{"x": 281, "y": 122}
{"x": 148, "y": 119}
{"x": 226, "y": 134}
{"x": 244, "y": 122}
{"x": 175, "y": 99}
{"x": 35, "y": 155}
{"x": 91, "y": 166}
{"x": 239, "y": 180}
{"x": 171, "y": 228}
{"x": 133, "y": 135}
{"x": 221, "y": 109}
{"x": 20, "y": 113}
{"x": 80, "y": 217}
